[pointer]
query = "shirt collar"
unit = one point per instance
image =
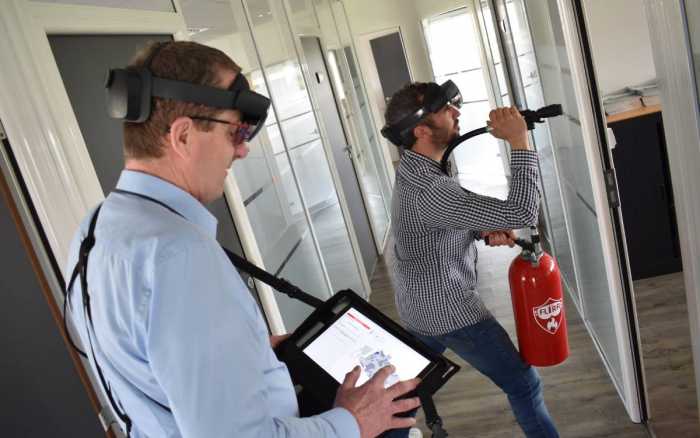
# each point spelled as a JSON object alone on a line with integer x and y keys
{"x": 171, "y": 195}
{"x": 416, "y": 161}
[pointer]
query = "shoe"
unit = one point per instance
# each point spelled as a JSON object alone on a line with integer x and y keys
{"x": 414, "y": 432}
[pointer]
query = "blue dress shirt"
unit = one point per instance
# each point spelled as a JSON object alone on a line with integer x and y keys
{"x": 175, "y": 326}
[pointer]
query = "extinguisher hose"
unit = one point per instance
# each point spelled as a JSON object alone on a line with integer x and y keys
{"x": 531, "y": 117}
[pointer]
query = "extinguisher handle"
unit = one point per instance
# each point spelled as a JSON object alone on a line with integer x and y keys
{"x": 524, "y": 244}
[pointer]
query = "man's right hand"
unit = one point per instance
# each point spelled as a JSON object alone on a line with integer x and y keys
{"x": 373, "y": 406}
{"x": 508, "y": 124}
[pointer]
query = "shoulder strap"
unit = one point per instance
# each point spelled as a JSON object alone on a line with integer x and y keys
{"x": 80, "y": 271}
{"x": 432, "y": 419}
{"x": 74, "y": 275}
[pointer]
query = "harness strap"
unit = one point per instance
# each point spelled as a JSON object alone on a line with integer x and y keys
{"x": 433, "y": 420}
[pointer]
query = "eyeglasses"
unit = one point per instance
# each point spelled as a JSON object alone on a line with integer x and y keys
{"x": 240, "y": 133}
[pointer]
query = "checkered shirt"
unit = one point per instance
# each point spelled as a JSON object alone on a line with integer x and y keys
{"x": 435, "y": 223}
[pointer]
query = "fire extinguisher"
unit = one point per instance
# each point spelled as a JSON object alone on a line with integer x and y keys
{"x": 538, "y": 305}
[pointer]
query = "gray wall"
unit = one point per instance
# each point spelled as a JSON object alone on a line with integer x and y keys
{"x": 40, "y": 392}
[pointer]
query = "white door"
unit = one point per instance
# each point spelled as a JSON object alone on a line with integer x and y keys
{"x": 550, "y": 66}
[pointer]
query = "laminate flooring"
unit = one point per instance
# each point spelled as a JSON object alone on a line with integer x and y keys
{"x": 578, "y": 393}
{"x": 667, "y": 356}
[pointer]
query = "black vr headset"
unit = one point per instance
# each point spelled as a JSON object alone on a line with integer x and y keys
{"x": 130, "y": 92}
{"x": 435, "y": 98}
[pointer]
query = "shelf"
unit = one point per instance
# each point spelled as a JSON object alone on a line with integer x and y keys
{"x": 643, "y": 111}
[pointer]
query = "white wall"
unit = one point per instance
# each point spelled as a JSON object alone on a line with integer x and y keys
{"x": 367, "y": 16}
{"x": 370, "y": 16}
{"x": 426, "y": 9}
{"x": 620, "y": 42}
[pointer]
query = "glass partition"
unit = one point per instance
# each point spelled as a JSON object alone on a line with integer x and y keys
{"x": 367, "y": 154}
{"x": 575, "y": 182}
{"x": 362, "y": 111}
{"x": 302, "y": 139}
{"x": 493, "y": 53}
{"x": 479, "y": 164}
{"x": 361, "y": 140}
{"x": 528, "y": 79}
{"x": 269, "y": 190}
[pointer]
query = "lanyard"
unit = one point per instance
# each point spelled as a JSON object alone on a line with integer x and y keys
{"x": 432, "y": 418}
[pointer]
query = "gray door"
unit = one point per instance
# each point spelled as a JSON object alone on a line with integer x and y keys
{"x": 320, "y": 85}
{"x": 392, "y": 66}
{"x": 83, "y": 61}
{"x": 42, "y": 394}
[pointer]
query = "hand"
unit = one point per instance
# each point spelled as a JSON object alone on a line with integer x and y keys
{"x": 508, "y": 124}
{"x": 275, "y": 340}
{"x": 499, "y": 238}
{"x": 373, "y": 406}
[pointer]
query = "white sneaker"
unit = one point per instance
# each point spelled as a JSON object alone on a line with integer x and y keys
{"x": 414, "y": 432}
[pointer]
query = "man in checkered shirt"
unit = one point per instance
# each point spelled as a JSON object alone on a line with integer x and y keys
{"x": 435, "y": 224}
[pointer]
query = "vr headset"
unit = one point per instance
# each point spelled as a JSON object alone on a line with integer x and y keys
{"x": 130, "y": 92}
{"x": 435, "y": 98}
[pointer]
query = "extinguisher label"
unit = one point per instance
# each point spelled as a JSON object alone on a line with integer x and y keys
{"x": 548, "y": 316}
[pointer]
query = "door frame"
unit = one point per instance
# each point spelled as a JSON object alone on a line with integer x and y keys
{"x": 375, "y": 95}
{"x": 44, "y": 267}
{"x": 332, "y": 162}
{"x": 673, "y": 58}
{"x": 47, "y": 143}
{"x": 379, "y": 239}
{"x": 53, "y": 158}
{"x": 609, "y": 225}
{"x": 350, "y": 129}
{"x": 296, "y": 33}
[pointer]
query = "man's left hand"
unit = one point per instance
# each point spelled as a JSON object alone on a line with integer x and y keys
{"x": 499, "y": 238}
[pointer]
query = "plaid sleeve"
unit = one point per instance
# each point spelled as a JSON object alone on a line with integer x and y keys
{"x": 445, "y": 205}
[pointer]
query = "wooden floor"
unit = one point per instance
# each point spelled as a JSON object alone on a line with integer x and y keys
{"x": 578, "y": 393}
{"x": 668, "y": 362}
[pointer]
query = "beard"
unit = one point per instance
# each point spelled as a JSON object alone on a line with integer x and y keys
{"x": 443, "y": 136}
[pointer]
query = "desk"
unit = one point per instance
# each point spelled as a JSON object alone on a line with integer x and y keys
{"x": 633, "y": 113}
{"x": 646, "y": 195}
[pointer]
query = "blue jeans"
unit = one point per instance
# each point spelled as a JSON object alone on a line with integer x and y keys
{"x": 487, "y": 347}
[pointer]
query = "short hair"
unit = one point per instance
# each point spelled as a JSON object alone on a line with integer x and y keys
{"x": 404, "y": 102}
{"x": 177, "y": 60}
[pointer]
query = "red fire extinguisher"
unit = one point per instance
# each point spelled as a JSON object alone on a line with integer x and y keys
{"x": 538, "y": 305}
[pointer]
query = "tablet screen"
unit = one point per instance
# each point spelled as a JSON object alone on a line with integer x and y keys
{"x": 353, "y": 339}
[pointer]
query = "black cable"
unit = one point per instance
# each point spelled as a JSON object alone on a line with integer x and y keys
{"x": 531, "y": 117}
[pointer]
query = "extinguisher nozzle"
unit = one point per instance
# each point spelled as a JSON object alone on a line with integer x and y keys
{"x": 524, "y": 244}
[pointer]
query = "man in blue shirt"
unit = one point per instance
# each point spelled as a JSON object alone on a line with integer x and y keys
{"x": 180, "y": 341}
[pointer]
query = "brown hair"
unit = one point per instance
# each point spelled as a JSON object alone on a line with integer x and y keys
{"x": 178, "y": 60}
{"x": 407, "y": 100}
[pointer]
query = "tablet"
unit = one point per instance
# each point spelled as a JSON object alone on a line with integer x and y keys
{"x": 354, "y": 339}
{"x": 346, "y": 332}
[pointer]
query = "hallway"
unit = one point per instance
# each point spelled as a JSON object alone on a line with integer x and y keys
{"x": 579, "y": 394}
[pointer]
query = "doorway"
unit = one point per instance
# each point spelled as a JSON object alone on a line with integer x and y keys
{"x": 539, "y": 49}
{"x": 103, "y": 136}
{"x": 365, "y": 152}
{"x": 383, "y": 77}
{"x": 639, "y": 124}
{"x": 41, "y": 380}
{"x": 320, "y": 86}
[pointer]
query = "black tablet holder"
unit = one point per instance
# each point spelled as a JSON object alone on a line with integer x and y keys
{"x": 316, "y": 389}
